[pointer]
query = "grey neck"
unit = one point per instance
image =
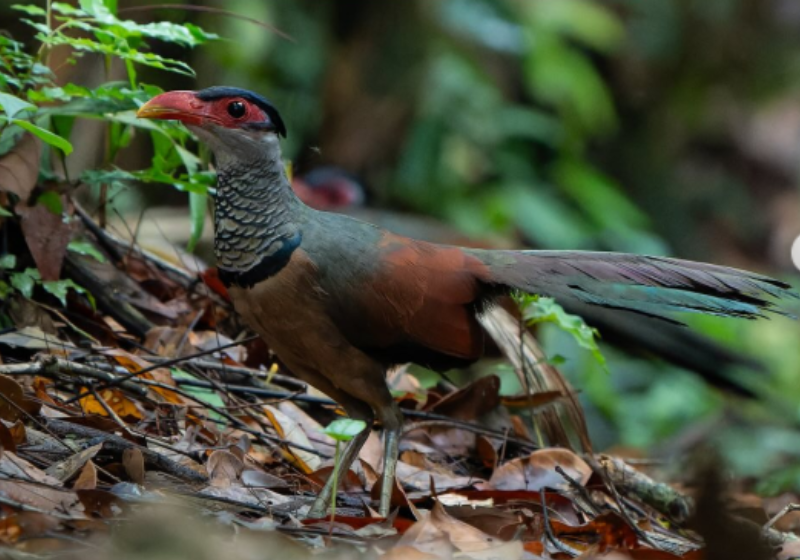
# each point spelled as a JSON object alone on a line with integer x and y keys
{"x": 256, "y": 213}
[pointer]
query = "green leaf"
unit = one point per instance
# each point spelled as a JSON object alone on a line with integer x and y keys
{"x": 12, "y": 104}
{"x": 86, "y": 248}
{"x": 68, "y": 10}
{"x": 537, "y": 309}
{"x": 345, "y": 429}
{"x": 5, "y": 213}
{"x": 25, "y": 281}
{"x": 45, "y": 135}
{"x": 9, "y": 261}
{"x": 59, "y": 288}
{"x": 52, "y": 201}
{"x": 207, "y": 396}
{"x": 583, "y": 20}
{"x": 197, "y": 209}
{"x": 29, "y": 9}
{"x": 5, "y": 290}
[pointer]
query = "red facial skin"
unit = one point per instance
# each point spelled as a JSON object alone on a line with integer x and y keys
{"x": 184, "y": 106}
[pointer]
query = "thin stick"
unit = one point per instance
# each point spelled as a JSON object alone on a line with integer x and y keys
{"x": 169, "y": 362}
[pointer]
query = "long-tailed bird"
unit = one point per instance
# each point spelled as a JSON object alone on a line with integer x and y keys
{"x": 340, "y": 300}
{"x": 333, "y": 189}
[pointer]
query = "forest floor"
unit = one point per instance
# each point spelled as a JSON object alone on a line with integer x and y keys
{"x": 146, "y": 421}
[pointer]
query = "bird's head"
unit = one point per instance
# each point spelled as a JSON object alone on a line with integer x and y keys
{"x": 235, "y": 123}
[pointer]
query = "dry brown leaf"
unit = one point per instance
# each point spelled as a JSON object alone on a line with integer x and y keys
{"x": 134, "y": 363}
{"x": 291, "y": 431}
{"x": 67, "y": 468}
{"x": 133, "y": 461}
{"x": 10, "y": 531}
{"x": 47, "y": 236}
{"x": 224, "y": 468}
{"x": 15, "y": 467}
{"x": 537, "y": 471}
{"x": 473, "y": 542}
{"x": 471, "y": 402}
{"x": 442, "y": 536}
{"x": 486, "y": 451}
{"x": 490, "y": 520}
{"x": 608, "y": 530}
{"x": 19, "y": 167}
{"x": 18, "y": 432}
{"x": 87, "y": 479}
{"x": 350, "y": 484}
{"x": 12, "y": 400}
{"x": 259, "y": 479}
{"x": 421, "y": 478}
{"x": 6, "y": 439}
{"x": 532, "y": 402}
{"x": 42, "y": 497}
{"x": 99, "y": 503}
{"x": 320, "y": 441}
{"x": 124, "y": 407}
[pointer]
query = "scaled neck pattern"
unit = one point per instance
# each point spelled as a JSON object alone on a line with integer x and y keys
{"x": 255, "y": 221}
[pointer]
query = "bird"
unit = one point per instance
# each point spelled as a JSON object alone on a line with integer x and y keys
{"x": 341, "y": 301}
{"x": 334, "y": 189}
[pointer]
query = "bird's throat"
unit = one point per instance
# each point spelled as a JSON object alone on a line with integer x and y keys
{"x": 255, "y": 223}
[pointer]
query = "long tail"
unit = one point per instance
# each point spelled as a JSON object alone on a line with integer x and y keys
{"x": 655, "y": 286}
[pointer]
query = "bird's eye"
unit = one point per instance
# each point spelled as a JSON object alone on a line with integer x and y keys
{"x": 236, "y": 109}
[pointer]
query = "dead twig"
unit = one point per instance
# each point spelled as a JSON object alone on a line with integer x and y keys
{"x": 548, "y": 530}
{"x": 117, "y": 444}
{"x": 585, "y": 499}
{"x": 661, "y": 497}
{"x": 236, "y": 370}
{"x": 170, "y": 362}
{"x": 601, "y": 471}
{"x": 49, "y": 364}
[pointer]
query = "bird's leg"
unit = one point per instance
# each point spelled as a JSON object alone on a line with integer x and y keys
{"x": 322, "y": 503}
{"x": 392, "y": 420}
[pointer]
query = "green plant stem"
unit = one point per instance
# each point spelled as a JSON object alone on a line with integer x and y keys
{"x": 335, "y": 476}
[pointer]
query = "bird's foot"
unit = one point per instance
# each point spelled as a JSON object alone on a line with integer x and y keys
{"x": 389, "y": 469}
{"x": 320, "y": 507}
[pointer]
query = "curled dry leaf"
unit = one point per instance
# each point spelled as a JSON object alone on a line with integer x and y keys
{"x": 47, "y": 236}
{"x": 496, "y": 522}
{"x": 87, "y": 479}
{"x": 13, "y": 404}
{"x": 133, "y": 461}
{"x": 224, "y": 468}
{"x": 6, "y": 439}
{"x": 471, "y": 402}
{"x": 440, "y": 535}
{"x": 538, "y": 470}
